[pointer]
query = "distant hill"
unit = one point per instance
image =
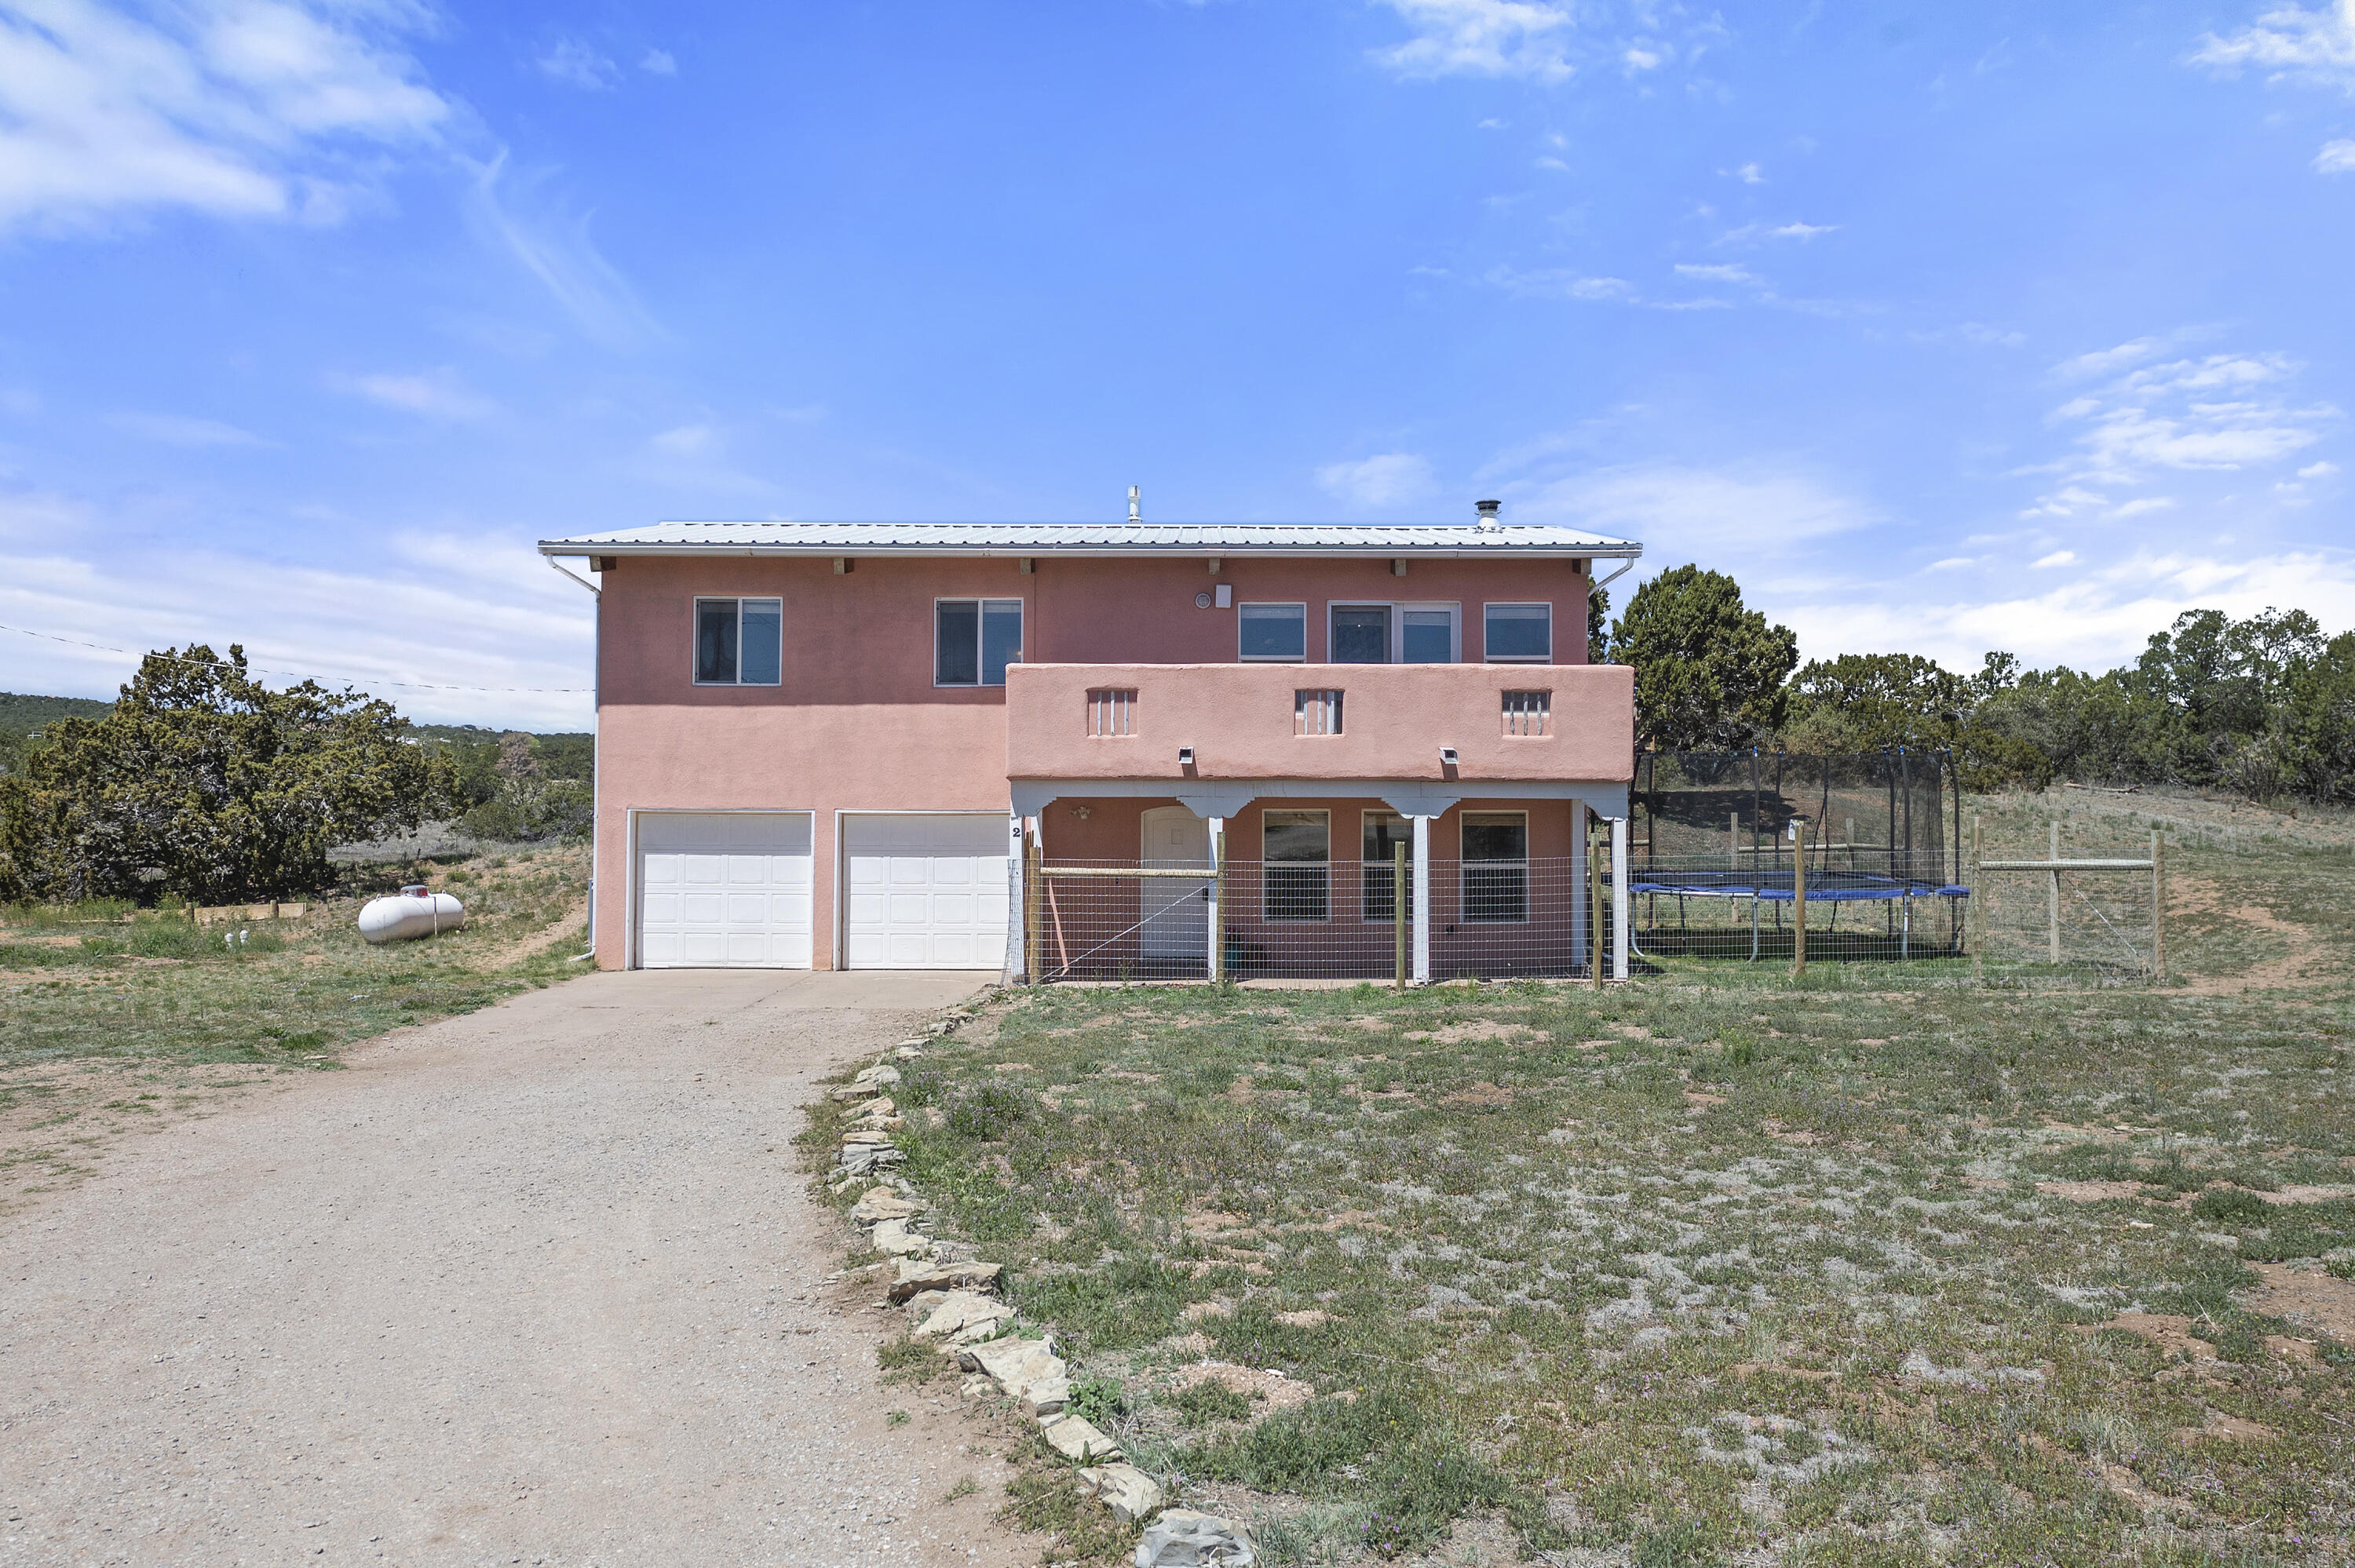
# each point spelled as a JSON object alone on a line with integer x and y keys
{"x": 23, "y": 714}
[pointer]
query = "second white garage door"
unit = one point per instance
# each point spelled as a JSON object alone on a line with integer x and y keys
{"x": 724, "y": 890}
{"x": 925, "y": 891}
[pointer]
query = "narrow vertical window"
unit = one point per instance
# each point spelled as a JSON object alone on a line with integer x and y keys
{"x": 739, "y": 642}
{"x": 1112, "y": 712}
{"x": 1527, "y": 713}
{"x": 1516, "y": 633}
{"x": 1296, "y": 852}
{"x": 1427, "y": 635}
{"x": 1317, "y": 712}
{"x": 1001, "y": 638}
{"x": 1385, "y": 831}
{"x": 1496, "y": 866}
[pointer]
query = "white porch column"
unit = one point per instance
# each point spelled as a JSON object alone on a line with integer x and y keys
{"x": 1582, "y": 945}
{"x": 1422, "y": 899}
{"x": 1217, "y": 887}
{"x": 1620, "y": 900}
{"x": 1016, "y": 901}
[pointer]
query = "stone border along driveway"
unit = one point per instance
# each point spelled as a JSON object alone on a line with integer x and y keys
{"x": 950, "y": 1298}
{"x": 538, "y": 1284}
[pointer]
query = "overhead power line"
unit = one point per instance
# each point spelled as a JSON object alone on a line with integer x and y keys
{"x": 297, "y": 674}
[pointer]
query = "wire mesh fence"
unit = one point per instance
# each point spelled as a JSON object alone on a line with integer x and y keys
{"x": 1320, "y": 920}
{"x": 2056, "y": 910}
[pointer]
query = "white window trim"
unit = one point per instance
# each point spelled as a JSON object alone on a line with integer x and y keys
{"x": 981, "y": 603}
{"x": 1489, "y": 658}
{"x": 1299, "y": 604}
{"x": 1265, "y": 865}
{"x": 1465, "y": 865}
{"x": 1398, "y": 608}
{"x": 695, "y": 631}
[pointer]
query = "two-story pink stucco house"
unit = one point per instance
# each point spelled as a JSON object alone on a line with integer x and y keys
{"x": 827, "y": 744}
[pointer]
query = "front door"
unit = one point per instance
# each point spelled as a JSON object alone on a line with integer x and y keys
{"x": 1174, "y": 912}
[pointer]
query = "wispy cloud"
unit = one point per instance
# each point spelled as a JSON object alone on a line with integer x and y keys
{"x": 1542, "y": 40}
{"x": 2290, "y": 42}
{"x": 659, "y": 62}
{"x": 520, "y": 216}
{"x": 1385, "y": 480}
{"x": 1726, "y": 273}
{"x": 237, "y": 108}
{"x": 433, "y": 395}
{"x": 2336, "y": 158}
{"x": 2057, "y": 558}
{"x": 1684, "y": 513}
{"x": 180, "y": 430}
{"x": 576, "y": 64}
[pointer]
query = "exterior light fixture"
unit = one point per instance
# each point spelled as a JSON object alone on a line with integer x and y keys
{"x": 1185, "y": 756}
{"x": 1447, "y": 757}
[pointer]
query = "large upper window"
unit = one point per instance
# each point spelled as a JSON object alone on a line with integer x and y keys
{"x": 1496, "y": 866}
{"x": 1518, "y": 633}
{"x": 1296, "y": 853}
{"x": 739, "y": 642}
{"x": 1362, "y": 633}
{"x": 973, "y": 640}
{"x": 1394, "y": 634}
{"x": 1273, "y": 631}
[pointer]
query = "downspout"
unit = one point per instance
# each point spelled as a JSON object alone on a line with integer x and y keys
{"x": 596, "y": 740}
{"x": 1593, "y": 587}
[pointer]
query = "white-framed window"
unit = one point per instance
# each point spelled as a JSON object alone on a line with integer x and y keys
{"x": 973, "y": 640}
{"x": 1395, "y": 633}
{"x": 1297, "y": 870}
{"x": 1517, "y": 634}
{"x": 740, "y": 641}
{"x": 1496, "y": 866}
{"x": 1384, "y": 833}
{"x": 1272, "y": 633}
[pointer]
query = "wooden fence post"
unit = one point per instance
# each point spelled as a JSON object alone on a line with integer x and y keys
{"x": 1398, "y": 911}
{"x": 1977, "y": 921}
{"x": 2157, "y": 906}
{"x": 2052, "y": 898}
{"x": 1798, "y": 897}
{"x": 1594, "y": 902}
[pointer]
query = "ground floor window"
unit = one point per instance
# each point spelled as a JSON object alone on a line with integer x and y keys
{"x": 1385, "y": 831}
{"x": 1496, "y": 866}
{"x": 1296, "y": 850}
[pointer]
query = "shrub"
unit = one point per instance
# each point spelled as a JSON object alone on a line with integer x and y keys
{"x": 2232, "y": 1206}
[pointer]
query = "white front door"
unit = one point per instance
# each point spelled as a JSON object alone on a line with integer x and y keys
{"x": 925, "y": 891}
{"x": 1174, "y": 912}
{"x": 724, "y": 890}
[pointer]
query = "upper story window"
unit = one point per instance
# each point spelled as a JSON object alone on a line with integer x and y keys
{"x": 1395, "y": 634}
{"x": 1273, "y": 631}
{"x": 1518, "y": 633}
{"x": 739, "y": 642}
{"x": 973, "y": 640}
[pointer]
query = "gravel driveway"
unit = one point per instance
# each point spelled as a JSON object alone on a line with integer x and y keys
{"x": 538, "y": 1285}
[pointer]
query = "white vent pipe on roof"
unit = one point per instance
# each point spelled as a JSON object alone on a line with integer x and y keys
{"x": 1486, "y": 522}
{"x": 1136, "y": 510}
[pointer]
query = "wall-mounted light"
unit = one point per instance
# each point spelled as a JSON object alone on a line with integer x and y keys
{"x": 1185, "y": 756}
{"x": 1202, "y": 600}
{"x": 1447, "y": 757}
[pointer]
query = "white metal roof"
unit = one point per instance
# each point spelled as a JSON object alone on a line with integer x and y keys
{"x": 1091, "y": 539}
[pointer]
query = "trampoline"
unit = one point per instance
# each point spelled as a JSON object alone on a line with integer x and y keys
{"x": 1832, "y": 887}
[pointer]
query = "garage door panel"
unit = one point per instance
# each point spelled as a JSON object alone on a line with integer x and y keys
{"x": 925, "y": 891}
{"x": 724, "y": 890}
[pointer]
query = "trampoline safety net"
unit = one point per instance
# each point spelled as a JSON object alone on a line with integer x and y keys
{"x": 1713, "y": 864}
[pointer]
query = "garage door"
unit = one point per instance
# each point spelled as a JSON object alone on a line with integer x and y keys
{"x": 724, "y": 890}
{"x": 925, "y": 891}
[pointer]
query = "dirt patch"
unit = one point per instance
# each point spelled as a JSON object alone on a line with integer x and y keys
{"x": 1487, "y": 1029}
{"x": 1195, "y": 1311}
{"x": 1269, "y": 1391}
{"x": 1481, "y": 1094}
{"x": 2316, "y": 1301}
{"x": 575, "y": 919}
{"x": 1309, "y": 1317}
{"x": 2091, "y": 1191}
{"x": 1702, "y": 1099}
{"x": 2170, "y": 1331}
{"x": 2300, "y": 945}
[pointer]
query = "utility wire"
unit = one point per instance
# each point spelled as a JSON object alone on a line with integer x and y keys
{"x": 298, "y": 674}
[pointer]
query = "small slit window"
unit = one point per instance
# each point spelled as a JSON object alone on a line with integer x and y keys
{"x": 1112, "y": 712}
{"x": 1317, "y": 712}
{"x": 1529, "y": 712}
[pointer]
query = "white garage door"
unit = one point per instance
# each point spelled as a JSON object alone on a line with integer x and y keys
{"x": 724, "y": 890}
{"x": 925, "y": 891}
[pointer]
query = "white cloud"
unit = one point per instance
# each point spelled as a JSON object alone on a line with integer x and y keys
{"x": 1750, "y": 175}
{"x": 659, "y": 62}
{"x": 2318, "y": 470}
{"x": 179, "y": 430}
{"x": 1483, "y": 37}
{"x": 435, "y": 395}
{"x": 1684, "y": 513}
{"x": 2293, "y": 42}
{"x": 237, "y": 108}
{"x": 2145, "y": 504}
{"x": 1801, "y": 230}
{"x": 687, "y": 440}
{"x": 1729, "y": 274}
{"x": 2107, "y": 361}
{"x": 448, "y": 610}
{"x": 1385, "y": 480}
{"x": 1951, "y": 563}
{"x": 2336, "y": 158}
{"x": 2057, "y": 558}
{"x": 575, "y": 64}
{"x": 520, "y": 216}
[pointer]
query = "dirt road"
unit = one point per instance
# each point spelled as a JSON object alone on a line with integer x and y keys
{"x": 538, "y": 1285}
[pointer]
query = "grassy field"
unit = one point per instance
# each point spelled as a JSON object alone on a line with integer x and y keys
{"x": 1884, "y": 1268}
{"x": 110, "y": 1017}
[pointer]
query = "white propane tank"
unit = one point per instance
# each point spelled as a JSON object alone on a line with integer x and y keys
{"x": 413, "y": 912}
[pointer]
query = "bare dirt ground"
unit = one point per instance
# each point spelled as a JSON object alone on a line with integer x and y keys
{"x": 539, "y": 1284}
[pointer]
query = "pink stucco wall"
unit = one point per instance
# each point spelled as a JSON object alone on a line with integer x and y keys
{"x": 858, "y": 725}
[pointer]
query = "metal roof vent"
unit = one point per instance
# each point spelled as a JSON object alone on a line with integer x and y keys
{"x": 1136, "y": 510}
{"x": 1487, "y": 509}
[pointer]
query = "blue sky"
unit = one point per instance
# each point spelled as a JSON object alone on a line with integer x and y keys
{"x": 1944, "y": 328}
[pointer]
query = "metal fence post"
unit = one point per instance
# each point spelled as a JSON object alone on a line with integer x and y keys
{"x": 1978, "y": 917}
{"x": 1593, "y": 903}
{"x": 2157, "y": 904}
{"x": 1798, "y": 897}
{"x": 1398, "y": 912}
{"x": 2052, "y": 898}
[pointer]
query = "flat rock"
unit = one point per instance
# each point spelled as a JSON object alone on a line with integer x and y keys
{"x": 1076, "y": 1437}
{"x": 866, "y": 1135}
{"x": 917, "y": 1276}
{"x": 909, "y": 1053}
{"x": 1021, "y": 1366}
{"x": 1180, "y": 1538}
{"x": 881, "y": 1075}
{"x": 893, "y": 1237}
{"x": 958, "y": 1312}
{"x": 881, "y": 1106}
{"x": 1129, "y": 1492}
{"x": 866, "y": 1159}
{"x": 881, "y": 1204}
{"x": 1044, "y": 1398}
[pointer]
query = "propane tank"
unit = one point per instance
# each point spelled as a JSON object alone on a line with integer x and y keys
{"x": 415, "y": 911}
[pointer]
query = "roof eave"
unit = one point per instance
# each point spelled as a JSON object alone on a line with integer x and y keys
{"x": 1617, "y": 550}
